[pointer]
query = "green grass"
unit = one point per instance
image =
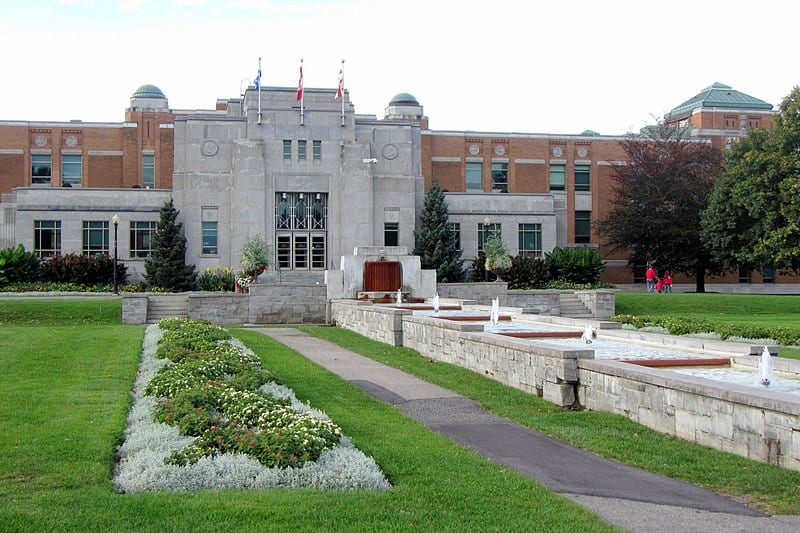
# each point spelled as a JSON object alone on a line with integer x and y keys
{"x": 765, "y": 486}
{"x": 65, "y": 392}
{"x": 41, "y": 311}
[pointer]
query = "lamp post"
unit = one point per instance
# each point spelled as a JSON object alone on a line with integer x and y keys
{"x": 115, "y": 220}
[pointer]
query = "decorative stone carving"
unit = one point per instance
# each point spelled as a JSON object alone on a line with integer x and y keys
{"x": 390, "y": 151}
{"x": 209, "y": 148}
{"x": 40, "y": 141}
{"x": 557, "y": 151}
{"x": 71, "y": 141}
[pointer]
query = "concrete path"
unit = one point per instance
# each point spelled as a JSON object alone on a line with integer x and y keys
{"x": 627, "y": 497}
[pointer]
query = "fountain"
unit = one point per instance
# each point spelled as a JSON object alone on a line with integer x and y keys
{"x": 495, "y": 314}
{"x": 588, "y": 333}
{"x": 399, "y": 296}
{"x": 765, "y": 368}
{"x": 436, "y": 303}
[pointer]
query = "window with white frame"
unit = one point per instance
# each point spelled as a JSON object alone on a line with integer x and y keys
{"x": 209, "y": 228}
{"x": 41, "y": 168}
{"x": 530, "y": 240}
{"x": 558, "y": 173}
{"x": 141, "y": 238}
{"x": 500, "y": 177}
{"x": 47, "y": 238}
{"x": 71, "y": 169}
{"x": 474, "y": 177}
{"x": 95, "y": 237}
{"x": 302, "y": 153}
{"x": 316, "y": 148}
{"x": 486, "y": 232}
{"x": 148, "y": 171}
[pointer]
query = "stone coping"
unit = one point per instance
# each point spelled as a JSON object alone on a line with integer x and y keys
{"x": 779, "y": 364}
{"x": 739, "y": 394}
{"x": 727, "y": 348}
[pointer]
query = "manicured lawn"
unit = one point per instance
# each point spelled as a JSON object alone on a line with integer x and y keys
{"x": 765, "y": 486}
{"x": 65, "y": 392}
{"x": 741, "y": 309}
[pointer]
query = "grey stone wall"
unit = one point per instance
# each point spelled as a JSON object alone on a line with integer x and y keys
{"x": 539, "y": 302}
{"x": 382, "y": 324}
{"x": 601, "y": 303}
{"x": 223, "y": 308}
{"x": 134, "y": 309}
{"x": 294, "y": 303}
{"x": 482, "y": 293}
{"x": 760, "y": 425}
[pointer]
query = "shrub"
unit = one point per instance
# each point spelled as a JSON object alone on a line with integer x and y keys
{"x": 526, "y": 273}
{"x": 478, "y": 272}
{"x": 497, "y": 259}
{"x": 575, "y": 265}
{"x": 83, "y": 270}
{"x": 217, "y": 280}
{"x": 18, "y": 265}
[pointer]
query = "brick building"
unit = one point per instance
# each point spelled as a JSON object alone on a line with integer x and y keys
{"x": 317, "y": 182}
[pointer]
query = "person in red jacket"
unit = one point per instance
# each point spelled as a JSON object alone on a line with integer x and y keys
{"x": 667, "y": 281}
{"x": 659, "y": 285}
{"x": 650, "y": 277}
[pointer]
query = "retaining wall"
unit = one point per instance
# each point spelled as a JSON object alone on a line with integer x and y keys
{"x": 379, "y": 323}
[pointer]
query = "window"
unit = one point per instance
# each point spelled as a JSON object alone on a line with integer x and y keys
{"x": 499, "y": 177}
{"x": 301, "y": 150}
{"x": 582, "y": 177}
{"x": 558, "y": 175}
{"x": 148, "y": 171}
{"x": 474, "y": 181}
{"x": 47, "y": 237}
{"x": 487, "y": 232}
{"x": 768, "y": 275}
{"x": 41, "y": 168}
{"x": 287, "y": 149}
{"x": 530, "y": 240}
{"x": 745, "y": 275}
{"x": 318, "y": 252}
{"x": 316, "y": 148}
{"x": 583, "y": 226}
{"x": 141, "y": 238}
{"x": 391, "y": 233}
{"x": 70, "y": 169}
{"x": 95, "y": 237}
{"x": 300, "y": 228}
{"x": 209, "y": 238}
{"x": 455, "y": 231}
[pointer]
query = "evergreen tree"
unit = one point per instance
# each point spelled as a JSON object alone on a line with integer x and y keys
{"x": 436, "y": 244}
{"x": 166, "y": 267}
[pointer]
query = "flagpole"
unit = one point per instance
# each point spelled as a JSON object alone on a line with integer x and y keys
{"x": 302, "y": 91}
{"x": 258, "y": 90}
{"x": 341, "y": 83}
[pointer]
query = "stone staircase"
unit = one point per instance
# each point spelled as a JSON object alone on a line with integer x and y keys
{"x": 159, "y": 307}
{"x": 572, "y": 307}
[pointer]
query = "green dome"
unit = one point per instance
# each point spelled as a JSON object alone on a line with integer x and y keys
{"x": 403, "y": 99}
{"x": 148, "y": 91}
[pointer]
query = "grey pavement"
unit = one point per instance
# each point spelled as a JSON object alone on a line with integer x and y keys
{"x": 627, "y": 497}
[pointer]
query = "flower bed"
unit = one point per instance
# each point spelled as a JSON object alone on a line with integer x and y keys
{"x": 205, "y": 415}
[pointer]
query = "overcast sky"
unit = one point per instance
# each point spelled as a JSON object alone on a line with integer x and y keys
{"x": 506, "y": 66}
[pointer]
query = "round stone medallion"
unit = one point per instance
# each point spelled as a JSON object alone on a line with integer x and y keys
{"x": 72, "y": 141}
{"x": 557, "y": 151}
{"x": 209, "y": 148}
{"x": 40, "y": 141}
{"x": 473, "y": 149}
{"x": 582, "y": 152}
{"x": 390, "y": 151}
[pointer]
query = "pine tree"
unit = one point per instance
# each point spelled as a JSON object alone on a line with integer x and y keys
{"x": 166, "y": 267}
{"x": 436, "y": 244}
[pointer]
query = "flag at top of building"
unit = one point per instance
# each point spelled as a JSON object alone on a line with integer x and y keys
{"x": 300, "y": 83}
{"x": 257, "y": 81}
{"x": 340, "y": 89}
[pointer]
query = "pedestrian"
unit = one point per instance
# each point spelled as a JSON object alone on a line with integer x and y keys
{"x": 659, "y": 285}
{"x": 650, "y": 277}
{"x": 667, "y": 281}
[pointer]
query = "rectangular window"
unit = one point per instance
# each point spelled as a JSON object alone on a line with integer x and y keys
{"x": 41, "y": 168}
{"x": 141, "y": 238}
{"x": 71, "y": 169}
{"x": 287, "y": 149}
{"x": 47, "y": 237}
{"x": 455, "y": 231}
{"x": 148, "y": 171}
{"x": 499, "y": 177}
{"x": 209, "y": 238}
{"x": 474, "y": 176}
{"x": 487, "y": 232}
{"x": 530, "y": 240}
{"x": 768, "y": 275}
{"x": 318, "y": 251}
{"x": 300, "y": 252}
{"x": 391, "y": 233}
{"x": 316, "y": 148}
{"x": 301, "y": 150}
{"x": 284, "y": 251}
{"x": 583, "y": 227}
{"x": 95, "y": 237}
{"x": 582, "y": 177}
{"x": 558, "y": 175}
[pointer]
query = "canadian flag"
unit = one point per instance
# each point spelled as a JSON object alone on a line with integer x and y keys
{"x": 340, "y": 89}
{"x": 300, "y": 83}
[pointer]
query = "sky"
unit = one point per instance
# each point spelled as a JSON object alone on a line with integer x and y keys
{"x": 504, "y": 66}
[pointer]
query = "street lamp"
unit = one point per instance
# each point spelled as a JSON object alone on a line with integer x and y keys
{"x": 115, "y": 220}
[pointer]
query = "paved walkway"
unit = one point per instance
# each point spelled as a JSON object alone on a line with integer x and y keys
{"x": 627, "y": 497}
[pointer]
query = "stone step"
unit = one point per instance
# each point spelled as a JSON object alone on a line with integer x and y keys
{"x": 159, "y": 307}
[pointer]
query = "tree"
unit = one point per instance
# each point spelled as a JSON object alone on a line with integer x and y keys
{"x": 436, "y": 243}
{"x": 166, "y": 267}
{"x": 752, "y": 218}
{"x": 658, "y": 197}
